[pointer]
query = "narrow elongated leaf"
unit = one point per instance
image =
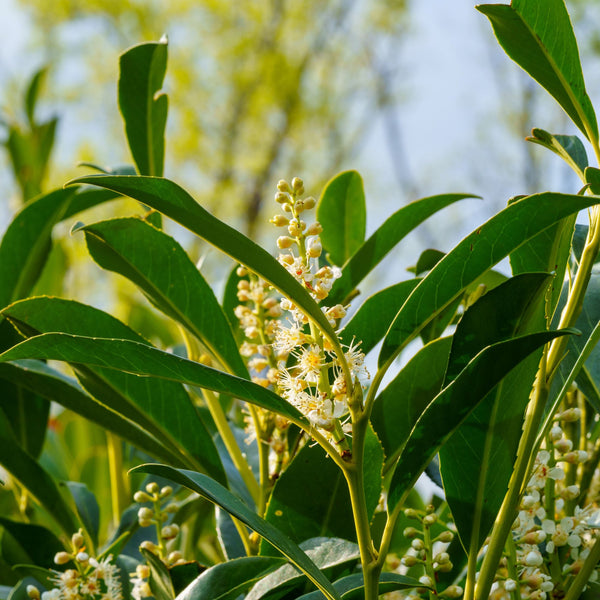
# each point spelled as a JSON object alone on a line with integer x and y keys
{"x": 141, "y": 359}
{"x": 539, "y": 37}
{"x": 472, "y": 257}
{"x": 454, "y": 404}
{"x": 216, "y": 493}
{"x": 477, "y": 461}
{"x": 373, "y": 318}
{"x": 352, "y": 587}
{"x": 568, "y": 147}
{"x": 159, "y": 266}
{"x": 38, "y": 543}
{"x": 324, "y": 552}
{"x": 399, "y": 406}
{"x": 343, "y": 214}
{"x": 35, "y": 479}
{"x": 395, "y": 228}
{"x": 144, "y": 108}
{"x": 173, "y": 201}
{"x": 164, "y": 409}
{"x": 26, "y": 244}
{"x": 160, "y": 581}
{"x": 226, "y": 581}
{"x": 87, "y": 507}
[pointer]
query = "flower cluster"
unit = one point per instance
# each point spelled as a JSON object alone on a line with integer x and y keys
{"x": 284, "y": 349}
{"x": 91, "y": 579}
{"x": 552, "y": 533}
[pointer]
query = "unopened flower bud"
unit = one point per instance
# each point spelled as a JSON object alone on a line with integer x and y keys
{"x": 418, "y": 544}
{"x": 33, "y": 592}
{"x": 283, "y": 242}
{"x": 533, "y": 559}
{"x": 282, "y": 197}
{"x": 563, "y": 445}
{"x": 298, "y": 185}
{"x": 309, "y": 203}
{"x": 443, "y": 567}
{"x": 314, "y": 229}
{"x": 83, "y": 557}
{"x": 445, "y": 536}
{"x": 510, "y": 585}
{"x": 174, "y": 557}
{"x": 571, "y": 492}
{"x": 534, "y": 537}
{"x": 452, "y": 591}
{"x": 148, "y": 545}
{"x": 570, "y": 415}
{"x": 284, "y": 186}
{"x": 556, "y": 433}
{"x": 575, "y": 457}
{"x": 411, "y": 513}
{"x": 167, "y": 490}
{"x": 426, "y": 580}
{"x": 241, "y": 271}
{"x": 145, "y": 513}
{"x": 429, "y": 520}
{"x": 169, "y": 532}
{"x": 314, "y": 248}
{"x": 62, "y": 558}
{"x": 441, "y": 558}
{"x": 77, "y": 540}
{"x": 296, "y": 227}
{"x": 410, "y": 532}
{"x": 410, "y": 561}
{"x": 279, "y": 220}
{"x": 152, "y": 487}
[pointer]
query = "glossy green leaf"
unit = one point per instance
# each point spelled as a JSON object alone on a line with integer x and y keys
{"x": 311, "y": 499}
{"x": 375, "y": 248}
{"x": 160, "y": 267}
{"x": 144, "y": 108}
{"x": 26, "y": 244}
{"x": 399, "y": 406}
{"x": 216, "y": 493}
{"x": 173, "y": 201}
{"x": 35, "y": 479}
{"x": 427, "y": 260}
{"x": 588, "y": 378}
{"x": 454, "y": 404}
{"x": 539, "y": 37}
{"x": 140, "y": 359}
{"x": 372, "y": 320}
{"x": 472, "y": 257}
{"x": 226, "y": 581}
{"x": 159, "y": 581}
{"x": 592, "y": 178}
{"x": 352, "y": 587}
{"x": 38, "y": 377}
{"x": 87, "y": 508}
{"x": 162, "y": 408}
{"x": 343, "y": 214}
{"x": 568, "y": 147}
{"x": 476, "y": 463}
{"x": 324, "y": 552}
{"x": 37, "y": 545}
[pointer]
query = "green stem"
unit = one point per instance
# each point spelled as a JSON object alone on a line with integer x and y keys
{"x": 511, "y": 563}
{"x": 118, "y": 491}
{"x": 429, "y": 558}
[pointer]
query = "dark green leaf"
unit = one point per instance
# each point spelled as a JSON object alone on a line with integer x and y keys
{"x": 162, "y": 408}
{"x": 159, "y": 266}
{"x": 592, "y": 178}
{"x": 477, "y": 461}
{"x": 87, "y": 508}
{"x": 342, "y": 213}
{"x": 226, "y": 581}
{"x": 472, "y": 257}
{"x": 35, "y": 479}
{"x": 428, "y": 259}
{"x": 568, "y": 147}
{"x": 160, "y": 581}
{"x": 38, "y": 377}
{"x": 37, "y": 544}
{"x": 395, "y": 228}
{"x": 324, "y": 552}
{"x": 454, "y": 404}
{"x": 216, "y": 493}
{"x": 401, "y": 403}
{"x": 539, "y": 38}
{"x": 352, "y": 587}
{"x": 26, "y": 244}
{"x": 144, "y": 108}
{"x": 173, "y": 201}
{"x": 141, "y": 359}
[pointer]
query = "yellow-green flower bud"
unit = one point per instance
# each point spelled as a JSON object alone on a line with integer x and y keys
{"x": 563, "y": 445}
{"x": 410, "y": 532}
{"x": 298, "y": 185}
{"x": 148, "y": 545}
{"x": 174, "y": 557}
{"x": 309, "y": 203}
{"x": 445, "y": 536}
{"x": 142, "y": 571}
{"x": 167, "y": 490}
{"x": 152, "y": 487}
{"x": 283, "y": 242}
{"x": 241, "y": 271}
{"x": 452, "y": 591}
{"x": 282, "y": 198}
{"x": 141, "y": 497}
{"x": 314, "y": 229}
{"x": 429, "y": 520}
{"x": 411, "y": 513}
{"x": 33, "y": 592}
{"x": 410, "y": 561}
{"x": 279, "y": 220}
{"x": 284, "y": 186}
{"x": 77, "y": 540}
{"x": 570, "y": 415}
{"x": 62, "y": 558}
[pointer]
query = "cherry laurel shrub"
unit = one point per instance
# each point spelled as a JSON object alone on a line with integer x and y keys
{"x": 264, "y": 423}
